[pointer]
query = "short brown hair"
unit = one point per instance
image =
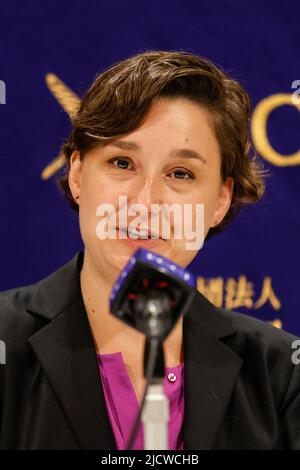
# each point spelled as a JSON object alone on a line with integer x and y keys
{"x": 118, "y": 100}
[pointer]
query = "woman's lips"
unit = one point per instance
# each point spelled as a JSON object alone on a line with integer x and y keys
{"x": 140, "y": 241}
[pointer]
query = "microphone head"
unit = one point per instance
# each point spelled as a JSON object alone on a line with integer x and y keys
{"x": 151, "y": 293}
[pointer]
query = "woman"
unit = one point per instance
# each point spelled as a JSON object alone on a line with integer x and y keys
{"x": 159, "y": 128}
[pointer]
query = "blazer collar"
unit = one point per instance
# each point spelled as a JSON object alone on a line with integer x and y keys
{"x": 65, "y": 349}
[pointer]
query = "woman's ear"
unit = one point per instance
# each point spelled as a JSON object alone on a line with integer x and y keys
{"x": 74, "y": 177}
{"x": 224, "y": 201}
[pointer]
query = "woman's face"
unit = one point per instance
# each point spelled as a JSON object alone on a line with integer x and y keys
{"x": 151, "y": 172}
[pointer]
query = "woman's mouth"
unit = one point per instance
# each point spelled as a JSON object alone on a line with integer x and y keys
{"x": 142, "y": 237}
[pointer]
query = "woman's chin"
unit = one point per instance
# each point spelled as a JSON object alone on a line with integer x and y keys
{"x": 119, "y": 252}
{"x": 120, "y": 257}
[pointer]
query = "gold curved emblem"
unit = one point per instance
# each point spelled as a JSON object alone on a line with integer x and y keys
{"x": 259, "y": 129}
{"x": 70, "y": 102}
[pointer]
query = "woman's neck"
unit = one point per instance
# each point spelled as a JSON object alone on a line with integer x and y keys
{"x": 111, "y": 334}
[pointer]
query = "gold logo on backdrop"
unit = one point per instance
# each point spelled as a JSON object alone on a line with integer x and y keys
{"x": 70, "y": 102}
{"x": 259, "y": 129}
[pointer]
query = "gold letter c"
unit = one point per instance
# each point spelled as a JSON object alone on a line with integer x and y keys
{"x": 259, "y": 129}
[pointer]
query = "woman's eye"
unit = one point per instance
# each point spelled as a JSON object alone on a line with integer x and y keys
{"x": 121, "y": 163}
{"x": 182, "y": 174}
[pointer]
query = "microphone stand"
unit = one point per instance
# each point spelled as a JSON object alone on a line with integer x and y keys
{"x": 155, "y": 415}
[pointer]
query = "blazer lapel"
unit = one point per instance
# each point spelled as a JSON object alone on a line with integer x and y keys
{"x": 66, "y": 350}
{"x": 210, "y": 372}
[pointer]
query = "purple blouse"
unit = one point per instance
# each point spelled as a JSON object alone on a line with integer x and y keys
{"x": 122, "y": 403}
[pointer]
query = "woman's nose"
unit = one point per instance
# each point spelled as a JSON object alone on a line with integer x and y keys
{"x": 148, "y": 191}
{"x": 148, "y": 195}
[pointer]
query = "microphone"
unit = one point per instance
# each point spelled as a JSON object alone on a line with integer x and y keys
{"x": 151, "y": 293}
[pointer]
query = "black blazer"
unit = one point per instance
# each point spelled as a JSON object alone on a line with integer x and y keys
{"x": 241, "y": 388}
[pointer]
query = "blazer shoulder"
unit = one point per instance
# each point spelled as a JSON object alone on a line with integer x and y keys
{"x": 14, "y": 318}
{"x": 26, "y": 309}
{"x": 261, "y": 331}
{"x": 270, "y": 356}
{"x": 261, "y": 345}
{"x": 270, "y": 371}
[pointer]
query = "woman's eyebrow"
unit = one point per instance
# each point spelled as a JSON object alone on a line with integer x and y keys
{"x": 184, "y": 152}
